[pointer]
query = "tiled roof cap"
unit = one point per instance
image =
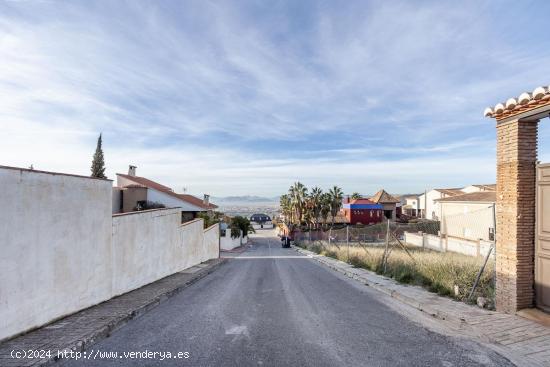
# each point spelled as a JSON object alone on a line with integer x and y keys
{"x": 526, "y": 101}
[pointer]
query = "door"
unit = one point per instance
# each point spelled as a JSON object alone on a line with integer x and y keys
{"x": 542, "y": 238}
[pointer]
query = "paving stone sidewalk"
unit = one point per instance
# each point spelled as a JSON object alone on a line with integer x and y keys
{"x": 80, "y": 330}
{"x": 524, "y": 342}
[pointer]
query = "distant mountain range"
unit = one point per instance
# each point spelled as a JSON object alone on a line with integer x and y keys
{"x": 244, "y": 199}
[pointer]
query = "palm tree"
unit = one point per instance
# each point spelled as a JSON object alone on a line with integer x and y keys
{"x": 286, "y": 207}
{"x": 356, "y": 196}
{"x": 315, "y": 199}
{"x": 298, "y": 193}
{"x": 325, "y": 206}
{"x": 336, "y": 196}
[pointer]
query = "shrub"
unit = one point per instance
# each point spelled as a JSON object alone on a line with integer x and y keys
{"x": 146, "y": 205}
{"x": 242, "y": 224}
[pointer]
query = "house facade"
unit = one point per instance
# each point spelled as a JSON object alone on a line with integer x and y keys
{"x": 470, "y": 216}
{"x": 411, "y": 205}
{"x": 428, "y": 205}
{"x": 261, "y": 221}
{"x": 391, "y": 206}
{"x": 363, "y": 211}
{"x": 134, "y": 193}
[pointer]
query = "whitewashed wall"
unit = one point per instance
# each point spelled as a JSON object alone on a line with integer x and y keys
{"x": 62, "y": 250}
{"x": 145, "y": 248}
{"x": 55, "y": 246}
{"x": 453, "y": 244}
{"x": 266, "y": 225}
{"x": 211, "y": 242}
{"x": 470, "y": 220}
{"x": 152, "y": 244}
{"x": 228, "y": 243}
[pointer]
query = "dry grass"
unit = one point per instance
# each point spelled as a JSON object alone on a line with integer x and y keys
{"x": 436, "y": 271}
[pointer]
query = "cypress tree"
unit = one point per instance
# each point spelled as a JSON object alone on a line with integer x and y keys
{"x": 98, "y": 163}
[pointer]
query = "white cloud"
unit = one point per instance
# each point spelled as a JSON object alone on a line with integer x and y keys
{"x": 196, "y": 94}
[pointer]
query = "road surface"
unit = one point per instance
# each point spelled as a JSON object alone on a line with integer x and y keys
{"x": 271, "y": 306}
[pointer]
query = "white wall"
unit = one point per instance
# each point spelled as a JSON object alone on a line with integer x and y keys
{"x": 55, "y": 245}
{"x": 266, "y": 225}
{"x": 443, "y": 244}
{"x": 413, "y": 202}
{"x": 145, "y": 248}
{"x": 470, "y": 220}
{"x": 63, "y": 250}
{"x": 228, "y": 243}
{"x": 211, "y": 242}
{"x": 428, "y": 201}
{"x": 150, "y": 245}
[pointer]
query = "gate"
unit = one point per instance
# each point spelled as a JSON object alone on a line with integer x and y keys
{"x": 542, "y": 239}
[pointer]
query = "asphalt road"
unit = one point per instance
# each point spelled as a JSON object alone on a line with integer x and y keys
{"x": 274, "y": 307}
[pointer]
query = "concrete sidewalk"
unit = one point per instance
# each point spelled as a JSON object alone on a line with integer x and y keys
{"x": 82, "y": 329}
{"x": 524, "y": 342}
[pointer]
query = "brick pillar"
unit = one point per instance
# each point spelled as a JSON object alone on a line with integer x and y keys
{"x": 515, "y": 248}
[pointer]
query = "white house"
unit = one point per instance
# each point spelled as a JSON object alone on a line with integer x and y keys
{"x": 261, "y": 221}
{"x": 428, "y": 205}
{"x": 469, "y": 216}
{"x": 134, "y": 192}
{"x": 411, "y": 205}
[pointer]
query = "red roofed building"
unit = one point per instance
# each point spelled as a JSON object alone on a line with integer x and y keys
{"x": 133, "y": 191}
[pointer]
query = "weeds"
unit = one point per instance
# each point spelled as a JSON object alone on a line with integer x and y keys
{"x": 441, "y": 273}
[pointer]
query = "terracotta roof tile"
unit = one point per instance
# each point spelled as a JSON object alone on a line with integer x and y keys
{"x": 480, "y": 196}
{"x": 167, "y": 190}
{"x": 451, "y": 192}
{"x": 383, "y": 197}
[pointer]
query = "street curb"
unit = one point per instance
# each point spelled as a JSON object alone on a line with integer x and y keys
{"x": 457, "y": 321}
{"x": 106, "y": 330}
{"x": 442, "y": 315}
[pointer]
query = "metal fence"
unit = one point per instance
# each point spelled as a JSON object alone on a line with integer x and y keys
{"x": 370, "y": 234}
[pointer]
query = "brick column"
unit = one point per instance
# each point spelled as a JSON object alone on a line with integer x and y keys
{"x": 515, "y": 248}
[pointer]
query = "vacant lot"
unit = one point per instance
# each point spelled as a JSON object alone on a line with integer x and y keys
{"x": 448, "y": 274}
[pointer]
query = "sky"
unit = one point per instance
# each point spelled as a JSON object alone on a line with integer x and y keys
{"x": 247, "y": 97}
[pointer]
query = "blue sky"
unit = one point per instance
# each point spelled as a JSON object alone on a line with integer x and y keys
{"x": 246, "y": 97}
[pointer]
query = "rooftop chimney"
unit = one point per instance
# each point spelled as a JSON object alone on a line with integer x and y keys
{"x": 206, "y": 200}
{"x": 132, "y": 170}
